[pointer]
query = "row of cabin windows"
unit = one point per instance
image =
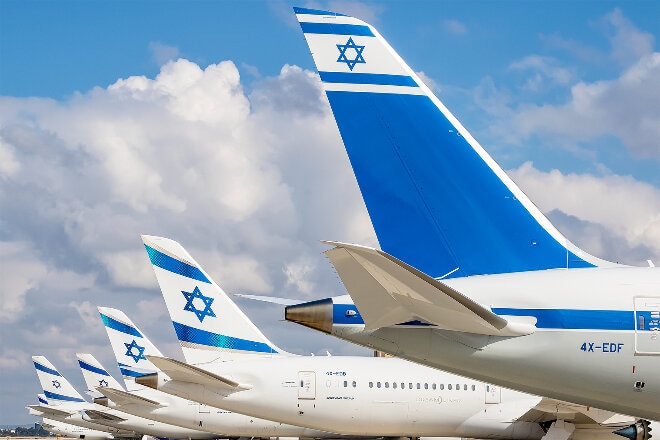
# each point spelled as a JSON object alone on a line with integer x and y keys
{"x": 418, "y": 386}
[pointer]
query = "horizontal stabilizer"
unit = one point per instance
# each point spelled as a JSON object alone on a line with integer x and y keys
{"x": 552, "y": 409}
{"x": 271, "y": 299}
{"x": 121, "y": 397}
{"x": 49, "y": 410}
{"x": 102, "y": 415}
{"x": 387, "y": 292}
{"x": 183, "y": 372}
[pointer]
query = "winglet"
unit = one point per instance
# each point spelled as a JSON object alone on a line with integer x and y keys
{"x": 388, "y": 291}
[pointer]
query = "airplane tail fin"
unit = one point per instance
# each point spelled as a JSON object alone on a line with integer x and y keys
{"x": 95, "y": 375}
{"x": 56, "y": 387}
{"x": 436, "y": 198}
{"x": 130, "y": 346}
{"x": 207, "y": 322}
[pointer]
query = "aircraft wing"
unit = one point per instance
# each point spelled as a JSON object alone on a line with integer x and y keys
{"x": 270, "y": 299}
{"x": 121, "y": 397}
{"x": 388, "y": 291}
{"x": 551, "y": 409}
{"x": 183, "y": 372}
{"x": 49, "y": 410}
{"x": 94, "y": 414}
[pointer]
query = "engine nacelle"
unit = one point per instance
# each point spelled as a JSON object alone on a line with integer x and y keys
{"x": 639, "y": 431}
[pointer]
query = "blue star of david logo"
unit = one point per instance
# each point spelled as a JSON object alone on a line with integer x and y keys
{"x": 190, "y": 306}
{"x": 103, "y": 383}
{"x": 350, "y": 44}
{"x": 56, "y": 384}
{"x": 140, "y": 351}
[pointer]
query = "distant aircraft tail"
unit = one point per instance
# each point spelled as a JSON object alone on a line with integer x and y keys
{"x": 130, "y": 346}
{"x": 95, "y": 375}
{"x": 56, "y": 388}
{"x": 207, "y": 322}
{"x": 436, "y": 199}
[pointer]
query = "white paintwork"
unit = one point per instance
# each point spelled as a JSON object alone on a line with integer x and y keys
{"x": 548, "y": 361}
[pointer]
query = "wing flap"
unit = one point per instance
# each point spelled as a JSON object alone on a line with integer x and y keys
{"x": 388, "y": 291}
{"x": 102, "y": 415}
{"x": 121, "y": 397}
{"x": 183, "y": 372}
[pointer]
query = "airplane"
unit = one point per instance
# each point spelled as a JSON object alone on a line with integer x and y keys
{"x": 131, "y": 348}
{"x": 68, "y": 430}
{"x": 59, "y": 427}
{"x": 232, "y": 365}
{"x": 472, "y": 278}
{"x": 64, "y": 397}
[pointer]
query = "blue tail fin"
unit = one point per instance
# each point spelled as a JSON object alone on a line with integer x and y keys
{"x": 436, "y": 199}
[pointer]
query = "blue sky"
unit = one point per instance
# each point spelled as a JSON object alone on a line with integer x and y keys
{"x": 204, "y": 121}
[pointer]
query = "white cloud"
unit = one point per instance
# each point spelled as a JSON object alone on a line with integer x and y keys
{"x": 454, "y": 27}
{"x": 542, "y": 68}
{"x": 162, "y": 53}
{"x": 625, "y": 108}
{"x": 599, "y": 200}
{"x": 628, "y": 43}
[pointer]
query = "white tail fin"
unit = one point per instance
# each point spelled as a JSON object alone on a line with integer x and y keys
{"x": 95, "y": 375}
{"x": 56, "y": 387}
{"x": 130, "y": 346}
{"x": 207, "y": 322}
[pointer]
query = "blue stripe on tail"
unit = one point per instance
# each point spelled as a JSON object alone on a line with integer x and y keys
{"x": 186, "y": 333}
{"x": 120, "y": 326}
{"x": 45, "y": 369}
{"x": 176, "y": 266}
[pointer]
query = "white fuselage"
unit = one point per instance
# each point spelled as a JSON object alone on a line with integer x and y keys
{"x": 69, "y": 430}
{"x": 195, "y": 415}
{"x": 597, "y": 341}
{"x": 365, "y": 396}
{"x": 122, "y": 421}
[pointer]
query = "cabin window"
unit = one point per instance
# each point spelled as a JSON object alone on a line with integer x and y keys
{"x": 449, "y": 387}
{"x": 410, "y": 385}
{"x": 458, "y": 387}
{"x": 419, "y": 386}
{"x": 442, "y": 386}
{"x": 433, "y": 386}
{"x": 394, "y": 385}
{"x": 426, "y": 386}
{"x": 345, "y": 383}
{"x": 377, "y": 384}
{"x": 465, "y": 387}
{"x": 371, "y": 384}
{"x": 474, "y": 388}
{"x": 387, "y": 384}
{"x": 354, "y": 384}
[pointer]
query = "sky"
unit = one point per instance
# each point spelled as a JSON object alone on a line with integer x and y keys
{"x": 205, "y": 122}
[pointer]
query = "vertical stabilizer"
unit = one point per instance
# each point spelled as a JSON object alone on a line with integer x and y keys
{"x": 95, "y": 375}
{"x": 436, "y": 198}
{"x": 208, "y": 323}
{"x": 130, "y": 346}
{"x": 56, "y": 388}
